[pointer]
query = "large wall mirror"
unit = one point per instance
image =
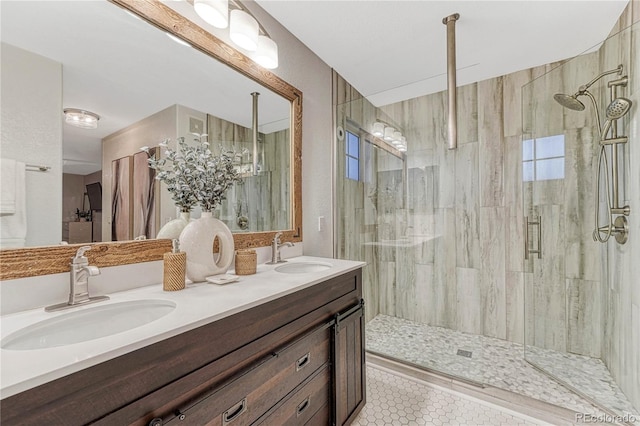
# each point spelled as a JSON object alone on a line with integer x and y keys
{"x": 151, "y": 75}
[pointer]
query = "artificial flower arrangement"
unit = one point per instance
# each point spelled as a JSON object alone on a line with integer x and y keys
{"x": 194, "y": 175}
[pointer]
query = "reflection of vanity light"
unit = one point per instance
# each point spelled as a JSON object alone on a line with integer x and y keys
{"x": 81, "y": 118}
{"x": 178, "y": 40}
{"x": 388, "y": 134}
{"x": 378, "y": 129}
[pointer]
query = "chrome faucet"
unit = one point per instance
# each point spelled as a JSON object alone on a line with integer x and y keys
{"x": 275, "y": 249}
{"x": 79, "y": 282}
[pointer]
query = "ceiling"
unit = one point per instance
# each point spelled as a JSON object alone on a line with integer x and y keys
{"x": 124, "y": 69}
{"x": 396, "y": 50}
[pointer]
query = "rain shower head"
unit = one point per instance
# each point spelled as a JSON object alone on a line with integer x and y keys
{"x": 572, "y": 102}
{"x": 618, "y": 108}
{"x": 569, "y": 101}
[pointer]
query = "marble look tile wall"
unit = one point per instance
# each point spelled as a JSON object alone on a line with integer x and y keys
{"x": 620, "y": 283}
{"x": 263, "y": 199}
{"x": 468, "y": 272}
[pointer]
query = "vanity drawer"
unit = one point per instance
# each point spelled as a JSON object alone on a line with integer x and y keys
{"x": 243, "y": 400}
{"x": 301, "y": 407}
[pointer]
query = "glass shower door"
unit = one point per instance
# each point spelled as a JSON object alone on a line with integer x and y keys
{"x": 565, "y": 269}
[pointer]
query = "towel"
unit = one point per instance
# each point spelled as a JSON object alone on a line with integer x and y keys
{"x": 7, "y": 186}
{"x": 13, "y": 227}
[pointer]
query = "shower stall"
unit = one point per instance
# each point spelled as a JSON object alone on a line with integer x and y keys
{"x": 481, "y": 261}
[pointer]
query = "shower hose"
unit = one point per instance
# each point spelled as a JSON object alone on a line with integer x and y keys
{"x": 609, "y": 226}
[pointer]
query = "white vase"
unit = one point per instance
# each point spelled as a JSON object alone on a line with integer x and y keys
{"x": 197, "y": 239}
{"x": 173, "y": 228}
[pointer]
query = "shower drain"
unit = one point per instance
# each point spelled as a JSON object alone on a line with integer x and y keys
{"x": 466, "y": 354}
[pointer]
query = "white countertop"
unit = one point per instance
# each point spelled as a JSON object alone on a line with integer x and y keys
{"x": 197, "y": 305}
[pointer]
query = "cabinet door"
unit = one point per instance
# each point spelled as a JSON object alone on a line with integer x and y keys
{"x": 349, "y": 371}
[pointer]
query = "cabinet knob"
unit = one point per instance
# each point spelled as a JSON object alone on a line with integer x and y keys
{"x": 156, "y": 422}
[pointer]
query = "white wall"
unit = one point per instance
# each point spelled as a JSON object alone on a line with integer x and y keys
{"x": 32, "y": 133}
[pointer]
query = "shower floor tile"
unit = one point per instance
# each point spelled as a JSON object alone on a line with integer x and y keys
{"x": 494, "y": 362}
{"x": 396, "y": 399}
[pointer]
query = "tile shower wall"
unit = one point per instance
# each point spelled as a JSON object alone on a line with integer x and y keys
{"x": 600, "y": 288}
{"x": 464, "y": 209}
{"x": 263, "y": 199}
{"x": 463, "y": 268}
{"x": 621, "y": 282}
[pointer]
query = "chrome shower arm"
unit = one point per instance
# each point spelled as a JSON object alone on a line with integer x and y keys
{"x": 583, "y": 89}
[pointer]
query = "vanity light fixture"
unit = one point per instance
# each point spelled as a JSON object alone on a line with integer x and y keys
{"x": 214, "y": 12}
{"x": 244, "y": 29}
{"x": 81, "y": 118}
{"x": 267, "y": 54}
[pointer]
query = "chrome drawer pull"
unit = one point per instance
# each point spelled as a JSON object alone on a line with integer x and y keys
{"x": 303, "y": 361}
{"x": 234, "y": 412}
{"x": 303, "y": 406}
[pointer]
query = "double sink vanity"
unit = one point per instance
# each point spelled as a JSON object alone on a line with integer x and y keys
{"x": 283, "y": 346}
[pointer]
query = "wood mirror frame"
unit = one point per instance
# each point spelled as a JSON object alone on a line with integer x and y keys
{"x": 29, "y": 262}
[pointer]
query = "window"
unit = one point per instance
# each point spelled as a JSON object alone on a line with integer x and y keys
{"x": 543, "y": 159}
{"x": 353, "y": 156}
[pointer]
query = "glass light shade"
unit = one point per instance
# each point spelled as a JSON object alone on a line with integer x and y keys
{"x": 243, "y": 30}
{"x": 81, "y": 118}
{"x": 402, "y": 148}
{"x": 378, "y": 129}
{"x": 396, "y": 136}
{"x": 214, "y": 12}
{"x": 388, "y": 133}
{"x": 267, "y": 54}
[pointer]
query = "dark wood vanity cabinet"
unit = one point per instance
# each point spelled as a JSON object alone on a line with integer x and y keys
{"x": 296, "y": 360}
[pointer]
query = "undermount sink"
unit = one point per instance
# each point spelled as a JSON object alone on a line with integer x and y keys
{"x": 303, "y": 267}
{"x": 87, "y": 324}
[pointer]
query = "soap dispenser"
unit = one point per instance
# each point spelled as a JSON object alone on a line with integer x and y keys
{"x": 175, "y": 266}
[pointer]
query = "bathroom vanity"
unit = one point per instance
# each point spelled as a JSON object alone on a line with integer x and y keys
{"x": 274, "y": 348}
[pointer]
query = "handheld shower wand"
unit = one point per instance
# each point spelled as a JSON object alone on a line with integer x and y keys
{"x": 618, "y": 107}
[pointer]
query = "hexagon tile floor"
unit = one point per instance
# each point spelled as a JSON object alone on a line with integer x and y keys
{"x": 396, "y": 399}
